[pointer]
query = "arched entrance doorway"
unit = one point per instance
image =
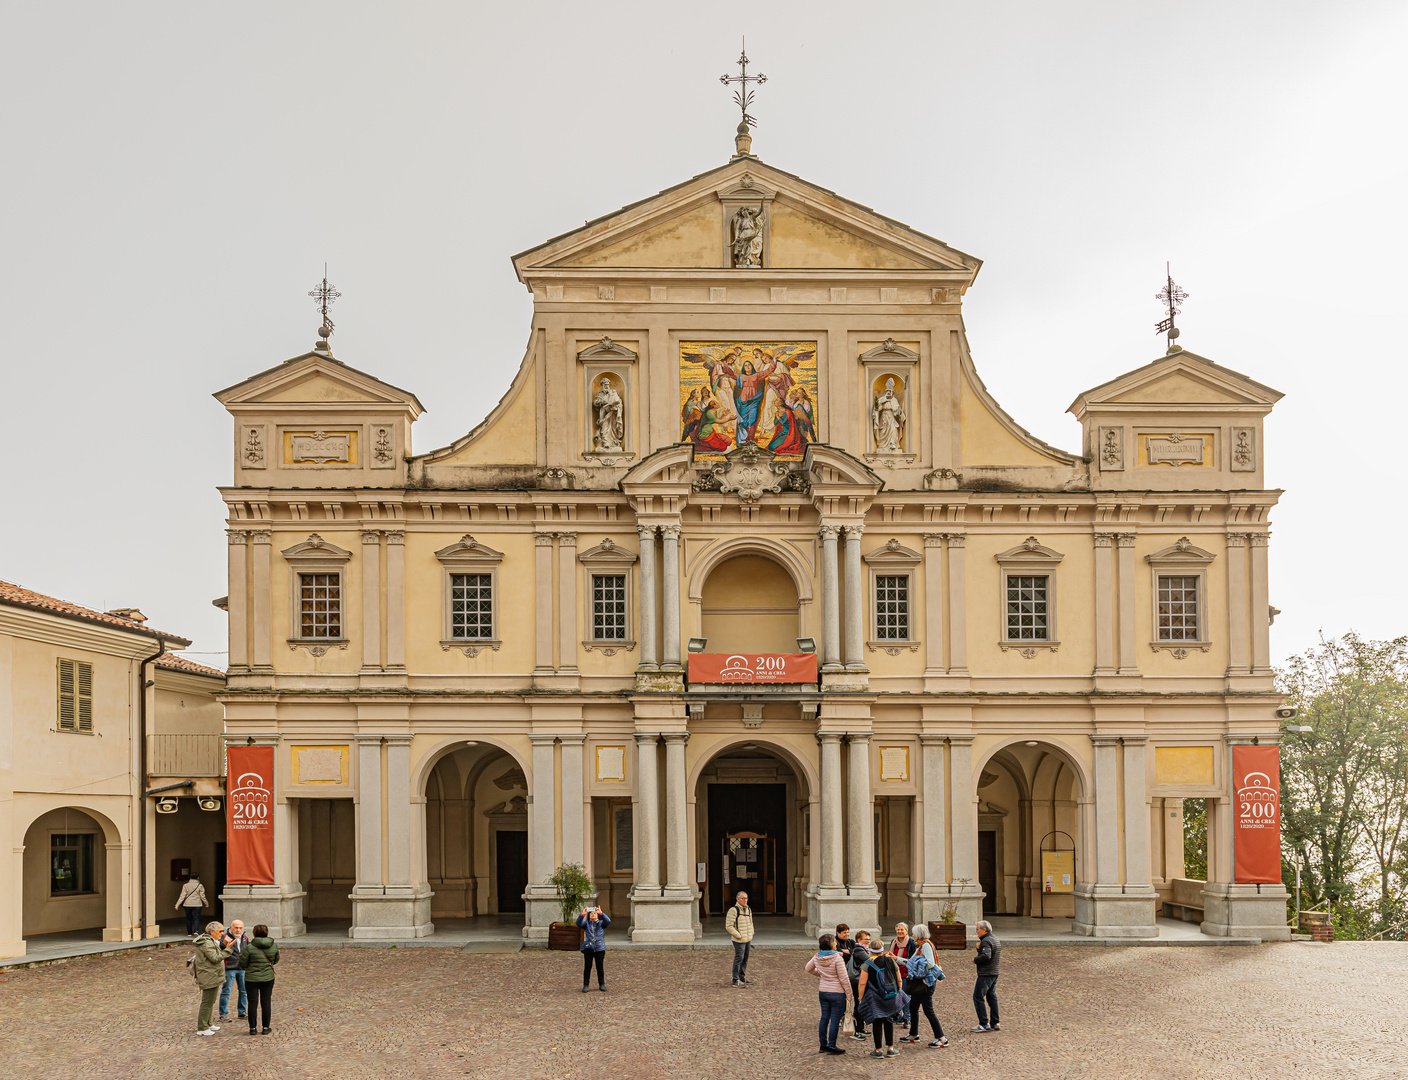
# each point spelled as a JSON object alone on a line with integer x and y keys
{"x": 1029, "y": 795}
{"x": 476, "y": 835}
{"x": 752, "y": 826}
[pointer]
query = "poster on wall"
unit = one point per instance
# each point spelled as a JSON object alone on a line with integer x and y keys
{"x": 249, "y": 816}
{"x": 733, "y": 394}
{"x": 1256, "y": 820}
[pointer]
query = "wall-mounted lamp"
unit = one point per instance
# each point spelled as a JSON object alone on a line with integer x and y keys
{"x": 806, "y": 644}
{"x": 696, "y": 644}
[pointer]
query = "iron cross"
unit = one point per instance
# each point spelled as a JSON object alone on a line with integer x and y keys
{"x": 323, "y": 296}
{"x": 743, "y": 97}
{"x": 1173, "y": 296}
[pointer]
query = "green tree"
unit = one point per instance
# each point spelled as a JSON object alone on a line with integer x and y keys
{"x": 1344, "y": 801}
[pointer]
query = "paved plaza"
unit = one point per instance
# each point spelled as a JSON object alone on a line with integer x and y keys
{"x": 1150, "y": 1013}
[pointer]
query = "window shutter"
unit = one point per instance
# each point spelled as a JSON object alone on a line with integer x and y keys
{"x": 68, "y": 698}
{"x": 85, "y": 696}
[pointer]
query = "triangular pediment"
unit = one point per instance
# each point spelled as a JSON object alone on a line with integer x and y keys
{"x": 684, "y": 227}
{"x": 1180, "y": 379}
{"x": 316, "y": 378}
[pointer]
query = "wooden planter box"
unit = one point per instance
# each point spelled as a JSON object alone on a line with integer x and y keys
{"x": 564, "y": 936}
{"x": 952, "y": 935}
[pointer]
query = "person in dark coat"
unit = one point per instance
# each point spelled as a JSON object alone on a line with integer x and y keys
{"x": 593, "y": 923}
{"x": 258, "y": 960}
{"x": 985, "y": 988}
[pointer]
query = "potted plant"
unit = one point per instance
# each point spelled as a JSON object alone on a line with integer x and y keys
{"x": 948, "y": 932}
{"x": 573, "y": 887}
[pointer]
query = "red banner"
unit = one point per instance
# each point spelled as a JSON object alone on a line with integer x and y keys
{"x": 249, "y": 816}
{"x": 1256, "y": 822}
{"x": 743, "y": 669}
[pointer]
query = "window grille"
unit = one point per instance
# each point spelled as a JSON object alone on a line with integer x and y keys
{"x": 609, "y": 607}
{"x": 1028, "y": 614}
{"x": 892, "y": 607}
{"x": 319, "y": 606}
{"x": 472, "y": 607}
{"x": 1178, "y": 608}
{"x": 75, "y": 695}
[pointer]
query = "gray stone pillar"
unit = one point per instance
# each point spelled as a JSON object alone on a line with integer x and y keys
{"x": 855, "y": 601}
{"x": 830, "y": 602}
{"x": 648, "y": 654}
{"x": 371, "y": 600}
{"x": 542, "y": 592}
{"x": 670, "y": 576}
{"x": 396, "y": 599}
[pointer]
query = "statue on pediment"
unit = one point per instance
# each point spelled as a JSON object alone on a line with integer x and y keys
{"x": 748, "y": 237}
{"x": 610, "y": 417}
{"x": 887, "y": 419}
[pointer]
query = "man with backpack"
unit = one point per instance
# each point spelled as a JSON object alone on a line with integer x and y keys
{"x": 739, "y": 924}
{"x": 985, "y": 989}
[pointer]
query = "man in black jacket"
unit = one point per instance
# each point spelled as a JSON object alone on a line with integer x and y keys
{"x": 985, "y": 989}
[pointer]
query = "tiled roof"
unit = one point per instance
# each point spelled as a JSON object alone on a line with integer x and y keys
{"x": 179, "y": 663}
{"x": 18, "y": 596}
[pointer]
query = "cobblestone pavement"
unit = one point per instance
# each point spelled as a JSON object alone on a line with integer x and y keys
{"x": 1308, "y": 1011}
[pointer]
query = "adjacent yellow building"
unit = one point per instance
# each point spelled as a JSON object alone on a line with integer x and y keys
{"x": 748, "y": 423}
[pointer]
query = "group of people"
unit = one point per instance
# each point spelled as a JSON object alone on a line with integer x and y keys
{"x": 880, "y": 985}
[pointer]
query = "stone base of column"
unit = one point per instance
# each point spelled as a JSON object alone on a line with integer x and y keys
{"x": 665, "y": 915}
{"x": 1115, "y": 911}
{"x": 845, "y": 681}
{"x": 1245, "y": 911}
{"x": 279, "y": 907}
{"x": 391, "y": 912}
{"x": 659, "y": 681}
{"x": 829, "y": 905}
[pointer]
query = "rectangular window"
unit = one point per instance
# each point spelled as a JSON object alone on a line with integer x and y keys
{"x": 70, "y": 864}
{"x": 892, "y": 607}
{"x": 319, "y": 606}
{"x": 608, "y": 607}
{"x": 75, "y": 695}
{"x": 1028, "y": 617}
{"x": 472, "y": 607}
{"x": 1178, "y": 608}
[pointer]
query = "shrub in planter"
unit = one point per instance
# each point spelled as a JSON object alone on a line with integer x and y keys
{"x": 573, "y": 887}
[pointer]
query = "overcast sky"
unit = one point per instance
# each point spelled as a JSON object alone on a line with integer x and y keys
{"x": 175, "y": 176}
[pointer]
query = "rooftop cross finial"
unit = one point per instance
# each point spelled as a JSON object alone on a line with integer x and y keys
{"x": 743, "y": 98}
{"x": 1173, "y": 296}
{"x": 323, "y": 296}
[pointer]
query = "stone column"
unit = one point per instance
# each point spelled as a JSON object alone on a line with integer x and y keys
{"x": 648, "y": 653}
{"x": 933, "y": 604}
{"x": 371, "y": 600}
{"x": 677, "y": 876}
{"x": 396, "y": 599}
{"x": 647, "y": 815}
{"x": 963, "y": 874}
{"x": 1104, "y": 605}
{"x": 860, "y": 829}
{"x": 567, "y": 614}
{"x": 1129, "y": 649}
{"x": 574, "y": 816}
{"x": 855, "y": 601}
{"x": 670, "y": 574}
{"x": 830, "y": 602}
{"x": 542, "y": 587}
{"x": 1237, "y": 663}
{"x": 1261, "y": 604}
{"x": 263, "y": 628}
{"x": 957, "y": 606}
{"x": 238, "y": 600}
{"x": 832, "y": 818}
{"x": 541, "y": 908}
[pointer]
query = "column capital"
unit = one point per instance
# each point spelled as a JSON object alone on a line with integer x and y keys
{"x": 933, "y": 540}
{"x": 236, "y": 537}
{"x": 646, "y": 532}
{"x": 542, "y": 539}
{"x": 567, "y": 539}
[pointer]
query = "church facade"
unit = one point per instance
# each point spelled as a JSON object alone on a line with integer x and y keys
{"x": 747, "y": 583}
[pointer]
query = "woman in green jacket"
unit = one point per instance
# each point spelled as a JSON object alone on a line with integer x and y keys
{"x": 258, "y": 960}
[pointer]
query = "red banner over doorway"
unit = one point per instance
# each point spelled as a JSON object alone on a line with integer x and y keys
{"x": 1256, "y": 822}
{"x": 249, "y": 820}
{"x": 745, "y": 669}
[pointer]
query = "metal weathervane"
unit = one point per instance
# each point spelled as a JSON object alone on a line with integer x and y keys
{"x": 743, "y": 97}
{"x": 1173, "y": 296}
{"x": 323, "y": 296}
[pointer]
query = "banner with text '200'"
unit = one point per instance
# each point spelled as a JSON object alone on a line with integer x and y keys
{"x": 249, "y": 820}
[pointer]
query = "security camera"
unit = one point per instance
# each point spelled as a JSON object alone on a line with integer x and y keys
{"x": 166, "y": 806}
{"x": 209, "y": 803}
{"x": 1287, "y": 712}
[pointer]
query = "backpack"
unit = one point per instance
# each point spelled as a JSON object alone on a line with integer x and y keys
{"x": 886, "y": 990}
